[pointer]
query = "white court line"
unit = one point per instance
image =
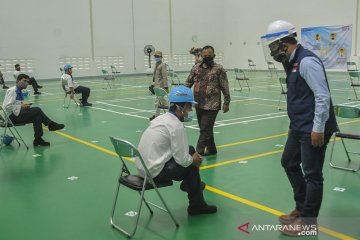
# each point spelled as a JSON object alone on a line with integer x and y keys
{"x": 130, "y": 99}
{"x": 254, "y": 116}
{"x": 233, "y": 123}
{"x": 254, "y": 98}
{"x": 120, "y": 113}
{"x": 119, "y": 106}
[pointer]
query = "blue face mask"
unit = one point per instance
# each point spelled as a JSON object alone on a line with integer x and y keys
{"x": 189, "y": 117}
{"x": 157, "y": 59}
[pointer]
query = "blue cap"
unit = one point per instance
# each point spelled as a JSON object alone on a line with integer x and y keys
{"x": 181, "y": 94}
{"x": 7, "y": 139}
{"x": 67, "y": 67}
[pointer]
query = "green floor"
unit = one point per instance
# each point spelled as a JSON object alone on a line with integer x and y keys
{"x": 245, "y": 180}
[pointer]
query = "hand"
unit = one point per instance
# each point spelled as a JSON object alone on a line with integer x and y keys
{"x": 197, "y": 159}
{"x": 317, "y": 139}
{"x": 225, "y": 108}
{"x": 25, "y": 105}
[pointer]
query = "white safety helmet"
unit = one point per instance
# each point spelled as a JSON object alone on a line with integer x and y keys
{"x": 278, "y": 30}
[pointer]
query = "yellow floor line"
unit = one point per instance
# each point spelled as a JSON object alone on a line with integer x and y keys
{"x": 272, "y": 211}
{"x": 241, "y": 159}
{"x": 251, "y": 140}
{"x": 225, "y": 194}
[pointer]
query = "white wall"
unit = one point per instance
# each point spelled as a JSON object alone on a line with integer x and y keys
{"x": 45, "y": 31}
{"x": 246, "y": 22}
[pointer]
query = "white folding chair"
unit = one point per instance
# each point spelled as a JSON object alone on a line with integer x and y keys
{"x": 7, "y": 124}
{"x": 64, "y": 86}
{"x": 125, "y": 149}
{"x": 108, "y": 79}
{"x": 115, "y": 72}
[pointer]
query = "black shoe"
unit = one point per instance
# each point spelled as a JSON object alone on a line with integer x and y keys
{"x": 39, "y": 86}
{"x": 37, "y": 93}
{"x": 184, "y": 187}
{"x": 86, "y": 104}
{"x": 204, "y": 209}
{"x": 5, "y": 87}
{"x": 53, "y": 126}
{"x": 40, "y": 142}
{"x": 152, "y": 118}
{"x": 209, "y": 152}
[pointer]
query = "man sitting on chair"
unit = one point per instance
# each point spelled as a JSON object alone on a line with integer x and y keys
{"x": 22, "y": 113}
{"x": 32, "y": 81}
{"x": 166, "y": 153}
{"x": 74, "y": 87}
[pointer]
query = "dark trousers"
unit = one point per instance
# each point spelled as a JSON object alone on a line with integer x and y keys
{"x": 206, "y": 120}
{"x": 2, "y": 81}
{"x": 190, "y": 175}
{"x": 34, "y": 84}
{"x": 307, "y": 179}
{"x": 32, "y": 115}
{"x": 85, "y": 93}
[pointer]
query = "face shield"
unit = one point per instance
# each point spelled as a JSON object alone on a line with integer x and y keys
{"x": 274, "y": 48}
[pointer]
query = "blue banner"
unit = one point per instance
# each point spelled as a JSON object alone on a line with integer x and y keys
{"x": 331, "y": 44}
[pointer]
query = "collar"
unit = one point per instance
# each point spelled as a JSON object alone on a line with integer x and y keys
{"x": 293, "y": 53}
{"x": 19, "y": 95}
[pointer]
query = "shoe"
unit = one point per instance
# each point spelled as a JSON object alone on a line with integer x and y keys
{"x": 37, "y": 93}
{"x": 209, "y": 152}
{"x": 152, "y": 118}
{"x": 86, "y": 104}
{"x": 53, "y": 126}
{"x": 184, "y": 187}
{"x": 5, "y": 87}
{"x": 40, "y": 142}
{"x": 204, "y": 209}
{"x": 288, "y": 219}
{"x": 301, "y": 227}
{"x": 39, "y": 86}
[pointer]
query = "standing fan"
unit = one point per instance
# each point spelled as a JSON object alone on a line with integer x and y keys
{"x": 149, "y": 51}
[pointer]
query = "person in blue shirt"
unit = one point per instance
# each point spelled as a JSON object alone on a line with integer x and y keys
{"x": 20, "y": 112}
{"x": 312, "y": 122}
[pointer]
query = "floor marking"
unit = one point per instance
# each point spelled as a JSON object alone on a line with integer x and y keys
{"x": 120, "y": 113}
{"x": 241, "y": 159}
{"x": 272, "y": 211}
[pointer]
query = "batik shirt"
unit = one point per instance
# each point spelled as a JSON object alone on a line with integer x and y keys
{"x": 208, "y": 85}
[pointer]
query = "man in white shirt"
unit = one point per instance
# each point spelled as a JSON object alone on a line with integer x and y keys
{"x": 74, "y": 87}
{"x": 166, "y": 152}
{"x": 32, "y": 81}
{"x": 22, "y": 113}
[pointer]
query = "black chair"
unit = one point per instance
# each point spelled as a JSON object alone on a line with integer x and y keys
{"x": 240, "y": 77}
{"x": 125, "y": 149}
{"x": 345, "y": 112}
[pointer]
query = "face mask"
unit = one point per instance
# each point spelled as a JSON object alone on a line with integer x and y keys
{"x": 208, "y": 60}
{"x": 157, "y": 59}
{"x": 23, "y": 85}
{"x": 189, "y": 117}
{"x": 278, "y": 52}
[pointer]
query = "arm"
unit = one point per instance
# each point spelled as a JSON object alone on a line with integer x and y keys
{"x": 10, "y": 105}
{"x": 312, "y": 71}
{"x": 224, "y": 85}
{"x": 190, "y": 80}
{"x": 180, "y": 147}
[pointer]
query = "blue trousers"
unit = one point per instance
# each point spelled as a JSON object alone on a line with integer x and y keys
{"x": 303, "y": 165}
